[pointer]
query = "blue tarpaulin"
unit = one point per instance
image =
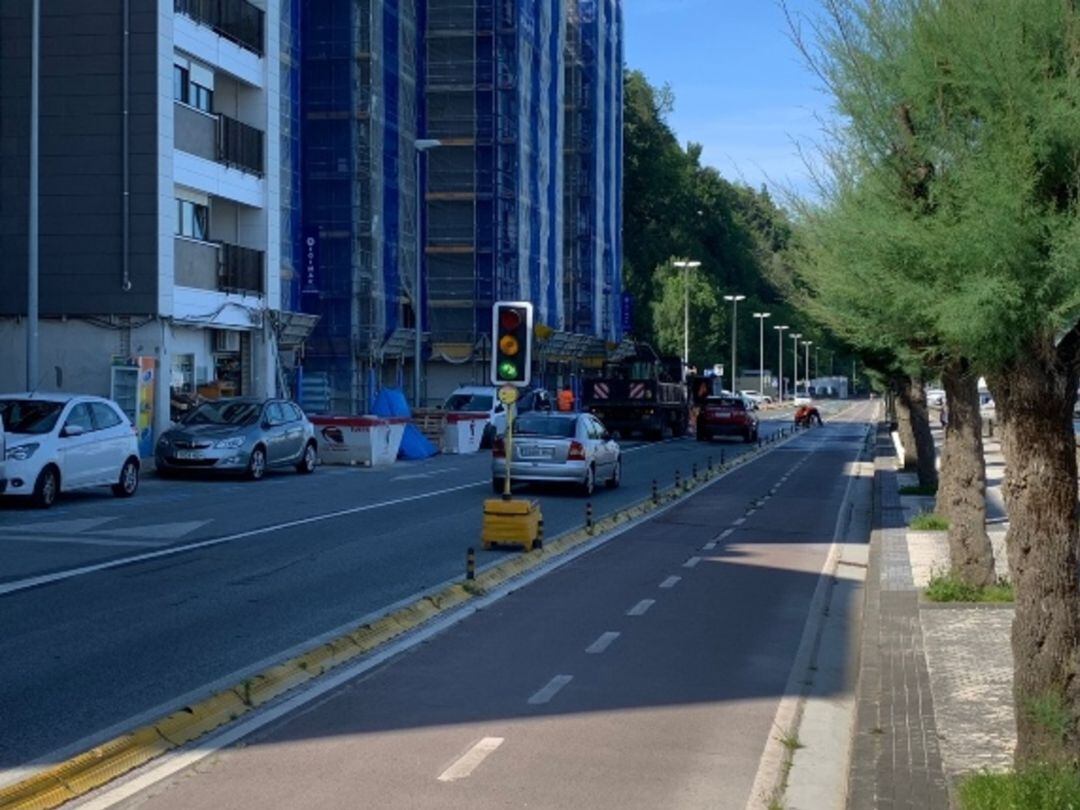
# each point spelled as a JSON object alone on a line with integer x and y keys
{"x": 414, "y": 446}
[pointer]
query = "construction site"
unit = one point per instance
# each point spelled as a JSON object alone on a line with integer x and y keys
{"x": 482, "y": 139}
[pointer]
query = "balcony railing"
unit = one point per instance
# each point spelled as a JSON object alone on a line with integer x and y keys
{"x": 239, "y": 145}
{"x": 240, "y": 269}
{"x": 236, "y": 20}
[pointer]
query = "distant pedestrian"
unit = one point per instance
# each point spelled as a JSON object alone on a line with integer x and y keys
{"x": 566, "y": 400}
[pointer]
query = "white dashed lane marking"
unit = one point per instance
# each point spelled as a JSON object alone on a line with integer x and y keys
{"x": 602, "y": 643}
{"x": 670, "y": 582}
{"x": 471, "y": 760}
{"x": 641, "y": 607}
{"x": 552, "y": 689}
{"x": 692, "y": 562}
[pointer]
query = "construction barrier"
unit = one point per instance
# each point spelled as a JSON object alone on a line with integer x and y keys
{"x": 367, "y": 440}
{"x": 463, "y": 431}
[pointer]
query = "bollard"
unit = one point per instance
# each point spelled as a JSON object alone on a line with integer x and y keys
{"x": 759, "y": 442}
{"x": 539, "y": 542}
{"x": 708, "y": 464}
{"x": 695, "y": 470}
{"x": 588, "y": 517}
{"x": 655, "y": 493}
{"x": 721, "y": 458}
{"x": 470, "y": 563}
{"x": 678, "y": 480}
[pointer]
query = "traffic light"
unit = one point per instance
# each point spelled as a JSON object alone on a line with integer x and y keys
{"x": 511, "y": 334}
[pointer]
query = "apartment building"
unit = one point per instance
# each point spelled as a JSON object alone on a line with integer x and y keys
{"x": 163, "y": 227}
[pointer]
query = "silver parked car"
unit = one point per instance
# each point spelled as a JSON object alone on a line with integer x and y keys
{"x": 572, "y": 448}
{"x": 239, "y": 435}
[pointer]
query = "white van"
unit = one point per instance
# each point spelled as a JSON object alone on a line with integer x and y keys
{"x": 485, "y": 399}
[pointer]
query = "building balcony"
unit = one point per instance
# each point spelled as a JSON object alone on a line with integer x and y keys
{"x": 218, "y": 138}
{"x": 218, "y": 266}
{"x": 236, "y": 20}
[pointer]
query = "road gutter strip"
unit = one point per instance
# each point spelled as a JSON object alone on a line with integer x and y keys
{"x": 376, "y": 641}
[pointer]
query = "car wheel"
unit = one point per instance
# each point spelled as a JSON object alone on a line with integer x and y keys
{"x": 256, "y": 468}
{"x": 498, "y": 485}
{"x": 588, "y": 486}
{"x": 616, "y": 475}
{"x": 128, "y": 483}
{"x": 47, "y": 487}
{"x": 308, "y": 460}
{"x": 748, "y": 437}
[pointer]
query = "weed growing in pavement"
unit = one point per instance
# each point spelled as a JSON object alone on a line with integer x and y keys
{"x": 472, "y": 589}
{"x": 1040, "y": 787}
{"x": 947, "y": 588}
{"x": 790, "y": 741}
{"x": 929, "y": 522}
{"x": 915, "y": 489}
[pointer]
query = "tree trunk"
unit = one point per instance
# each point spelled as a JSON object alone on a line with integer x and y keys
{"x": 910, "y": 459}
{"x": 961, "y": 495}
{"x": 1034, "y": 399}
{"x": 913, "y": 400}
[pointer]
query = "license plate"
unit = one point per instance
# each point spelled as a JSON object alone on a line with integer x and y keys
{"x": 536, "y": 452}
{"x": 188, "y": 454}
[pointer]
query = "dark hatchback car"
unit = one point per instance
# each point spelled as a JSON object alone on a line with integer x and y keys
{"x": 240, "y": 435}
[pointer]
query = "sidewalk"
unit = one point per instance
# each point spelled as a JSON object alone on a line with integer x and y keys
{"x": 935, "y": 682}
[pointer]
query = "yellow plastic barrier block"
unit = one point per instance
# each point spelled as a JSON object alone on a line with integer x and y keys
{"x": 511, "y": 522}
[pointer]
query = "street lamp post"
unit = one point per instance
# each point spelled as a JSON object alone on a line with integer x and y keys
{"x": 806, "y": 367}
{"x": 780, "y": 361}
{"x": 761, "y": 316}
{"x": 795, "y": 355}
{"x": 734, "y": 299}
{"x": 422, "y": 145}
{"x": 686, "y": 265}
{"x": 32, "y": 213}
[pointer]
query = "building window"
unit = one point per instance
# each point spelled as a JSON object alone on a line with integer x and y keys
{"x": 188, "y": 91}
{"x": 192, "y": 220}
{"x": 180, "y": 84}
{"x": 202, "y": 97}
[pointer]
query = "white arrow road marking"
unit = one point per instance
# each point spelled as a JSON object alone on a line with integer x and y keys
{"x": 640, "y": 608}
{"x": 58, "y": 526}
{"x": 159, "y": 531}
{"x": 602, "y": 643}
{"x": 472, "y": 758}
{"x": 552, "y": 689}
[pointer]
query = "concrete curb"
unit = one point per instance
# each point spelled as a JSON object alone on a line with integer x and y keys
{"x": 103, "y": 763}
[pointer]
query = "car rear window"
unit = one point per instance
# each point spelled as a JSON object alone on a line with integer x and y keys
{"x": 724, "y": 402}
{"x": 546, "y": 426}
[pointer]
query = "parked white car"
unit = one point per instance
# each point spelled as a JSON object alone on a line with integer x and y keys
{"x": 3, "y": 454}
{"x": 485, "y": 399}
{"x": 63, "y": 442}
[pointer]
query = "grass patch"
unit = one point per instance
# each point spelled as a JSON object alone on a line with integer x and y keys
{"x": 916, "y": 489}
{"x": 929, "y": 522}
{"x": 947, "y": 588}
{"x": 1041, "y": 787}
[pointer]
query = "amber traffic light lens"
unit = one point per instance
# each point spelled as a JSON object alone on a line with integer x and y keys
{"x": 508, "y": 344}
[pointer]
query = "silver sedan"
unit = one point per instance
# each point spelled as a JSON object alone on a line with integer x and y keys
{"x": 572, "y": 448}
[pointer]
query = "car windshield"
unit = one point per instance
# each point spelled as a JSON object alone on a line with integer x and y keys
{"x": 33, "y": 416}
{"x": 545, "y": 426}
{"x": 469, "y": 402}
{"x": 724, "y": 402}
{"x": 224, "y": 413}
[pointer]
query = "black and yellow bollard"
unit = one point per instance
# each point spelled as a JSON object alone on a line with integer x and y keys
{"x": 655, "y": 493}
{"x": 470, "y": 563}
{"x": 588, "y": 517}
{"x": 678, "y": 480}
{"x": 539, "y": 541}
{"x": 708, "y": 466}
{"x": 721, "y": 458}
{"x": 695, "y": 470}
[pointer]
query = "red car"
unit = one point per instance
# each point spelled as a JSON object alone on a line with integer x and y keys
{"x": 727, "y": 416}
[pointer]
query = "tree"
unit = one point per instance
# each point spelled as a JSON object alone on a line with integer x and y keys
{"x": 707, "y": 329}
{"x": 961, "y": 128}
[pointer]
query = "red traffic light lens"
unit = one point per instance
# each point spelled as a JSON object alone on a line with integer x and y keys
{"x": 509, "y": 319}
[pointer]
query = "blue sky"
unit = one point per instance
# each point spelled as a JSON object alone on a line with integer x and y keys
{"x": 741, "y": 89}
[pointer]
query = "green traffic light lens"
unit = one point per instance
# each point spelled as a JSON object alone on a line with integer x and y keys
{"x": 508, "y": 370}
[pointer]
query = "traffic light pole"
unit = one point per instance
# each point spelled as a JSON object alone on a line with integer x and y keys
{"x": 510, "y": 413}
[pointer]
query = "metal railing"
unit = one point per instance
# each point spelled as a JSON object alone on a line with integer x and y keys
{"x": 239, "y": 145}
{"x": 236, "y": 20}
{"x": 240, "y": 269}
